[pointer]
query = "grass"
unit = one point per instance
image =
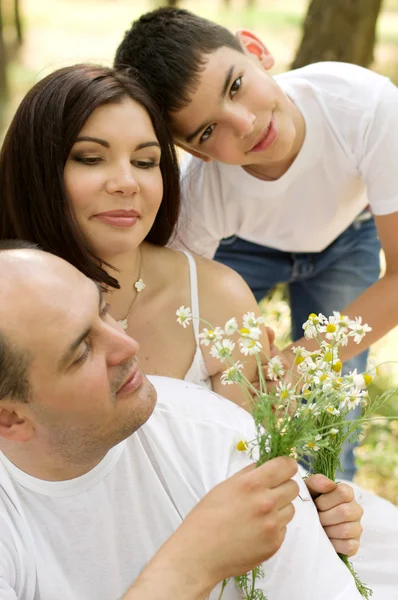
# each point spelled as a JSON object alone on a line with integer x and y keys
{"x": 61, "y": 32}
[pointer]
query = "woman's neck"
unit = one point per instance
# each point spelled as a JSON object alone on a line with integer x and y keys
{"x": 128, "y": 269}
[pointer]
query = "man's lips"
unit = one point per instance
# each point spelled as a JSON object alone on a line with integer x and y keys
{"x": 266, "y": 138}
{"x": 119, "y": 218}
{"x": 132, "y": 382}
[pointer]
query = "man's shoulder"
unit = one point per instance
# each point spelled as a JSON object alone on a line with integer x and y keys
{"x": 348, "y": 82}
{"x": 187, "y": 402}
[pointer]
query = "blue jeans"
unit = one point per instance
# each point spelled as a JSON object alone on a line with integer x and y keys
{"x": 316, "y": 282}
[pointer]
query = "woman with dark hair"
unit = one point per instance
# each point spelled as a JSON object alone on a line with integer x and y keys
{"x": 88, "y": 171}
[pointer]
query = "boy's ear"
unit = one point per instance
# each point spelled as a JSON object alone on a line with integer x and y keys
{"x": 193, "y": 152}
{"x": 251, "y": 44}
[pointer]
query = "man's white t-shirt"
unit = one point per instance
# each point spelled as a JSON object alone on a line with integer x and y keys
{"x": 348, "y": 160}
{"x": 89, "y": 538}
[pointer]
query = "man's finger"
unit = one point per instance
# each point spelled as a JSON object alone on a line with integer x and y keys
{"x": 286, "y": 514}
{"x": 284, "y": 494}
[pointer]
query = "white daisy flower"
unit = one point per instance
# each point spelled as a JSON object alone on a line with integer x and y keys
{"x": 250, "y": 320}
{"x": 284, "y": 392}
{"x": 253, "y": 333}
{"x": 233, "y": 374}
{"x": 249, "y": 346}
{"x": 231, "y": 326}
{"x": 222, "y": 349}
{"x": 359, "y": 329}
{"x": 209, "y": 336}
{"x": 184, "y": 316}
{"x": 275, "y": 368}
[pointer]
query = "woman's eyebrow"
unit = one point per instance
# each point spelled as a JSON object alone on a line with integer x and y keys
{"x": 87, "y": 138}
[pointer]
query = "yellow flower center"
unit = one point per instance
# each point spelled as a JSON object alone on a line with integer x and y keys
{"x": 245, "y": 331}
{"x": 337, "y": 366}
{"x": 241, "y": 446}
{"x": 367, "y": 378}
{"x": 298, "y": 360}
{"x": 328, "y": 357}
{"x": 331, "y": 328}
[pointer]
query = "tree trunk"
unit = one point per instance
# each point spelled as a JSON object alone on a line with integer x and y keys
{"x": 341, "y": 30}
{"x": 3, "y": 73}
{"x": 18, "y": 22}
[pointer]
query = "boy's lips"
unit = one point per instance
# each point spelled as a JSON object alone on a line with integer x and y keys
{"x": 266, "y": 138}
{"x": 119, "y": 218}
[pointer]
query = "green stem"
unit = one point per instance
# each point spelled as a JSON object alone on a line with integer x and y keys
{"x": 361, "y": 587}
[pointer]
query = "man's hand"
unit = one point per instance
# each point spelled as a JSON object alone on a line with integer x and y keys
{"x": 339, "y": 513}
{"x": 239, "y": 524}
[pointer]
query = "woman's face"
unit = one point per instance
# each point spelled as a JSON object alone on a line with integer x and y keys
{"x": 113, "y": 179}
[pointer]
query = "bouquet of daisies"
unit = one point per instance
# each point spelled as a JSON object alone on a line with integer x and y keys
{"x": 304, "y": 415}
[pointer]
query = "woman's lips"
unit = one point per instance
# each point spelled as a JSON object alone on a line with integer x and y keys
{"x": 119, "y": 218}
{"x": 267, "y": 138}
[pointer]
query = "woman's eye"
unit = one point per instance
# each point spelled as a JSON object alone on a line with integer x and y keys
{"x": 235, "y": 86}
{"x": 206, "y": 134}
{"x": 145, "y": 164}
{"x": 88, "y": 160}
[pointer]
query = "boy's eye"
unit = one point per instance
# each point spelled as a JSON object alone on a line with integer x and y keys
{"x": 206, "y": 134}
{"x": 235, "y": 86}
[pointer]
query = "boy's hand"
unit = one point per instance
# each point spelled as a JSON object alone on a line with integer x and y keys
{"x": 339, "y": 513}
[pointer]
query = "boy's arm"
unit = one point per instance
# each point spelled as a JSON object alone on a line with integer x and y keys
{"x": 376, "y": 155}
{"x": 339, "y": 513}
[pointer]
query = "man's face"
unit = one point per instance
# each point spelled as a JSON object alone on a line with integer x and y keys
{"x": 238, "y": 115}
{"x": 87, "y": 390}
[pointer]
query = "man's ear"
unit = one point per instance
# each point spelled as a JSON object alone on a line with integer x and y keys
{"x": 251, "y": 44}
{"x": 14, "y": 425}
{"x": 193, "y": 152}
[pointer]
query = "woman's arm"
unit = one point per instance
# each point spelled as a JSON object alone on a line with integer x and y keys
{"x": 223, "y": 294}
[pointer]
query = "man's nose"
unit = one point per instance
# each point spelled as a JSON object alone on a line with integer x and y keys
{"x": 121, "y": 347}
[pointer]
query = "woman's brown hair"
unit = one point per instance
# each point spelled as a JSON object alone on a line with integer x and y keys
{"x": 33, "y": 202}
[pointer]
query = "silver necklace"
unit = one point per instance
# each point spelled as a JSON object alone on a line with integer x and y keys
{"x": 139, "y": 286}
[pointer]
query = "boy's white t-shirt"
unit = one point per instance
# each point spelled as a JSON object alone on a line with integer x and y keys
{"x": 348, "y": 160}
{"x": 89, "y": 538}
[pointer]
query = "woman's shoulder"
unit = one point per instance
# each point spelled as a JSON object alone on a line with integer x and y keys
{"x": 223, "y": 293}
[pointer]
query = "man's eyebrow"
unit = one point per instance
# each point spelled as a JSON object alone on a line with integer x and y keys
{"x": 227, "y": 82}
{"x": 66, "y": 357}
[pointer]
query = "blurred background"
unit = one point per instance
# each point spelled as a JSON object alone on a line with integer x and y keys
{"x": 39, "y": 36}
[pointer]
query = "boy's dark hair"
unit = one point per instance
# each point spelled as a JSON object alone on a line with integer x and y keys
{"x": 14, "y": 362}
{"x": 33, "y": 201}
{"x": 167, "y": 48}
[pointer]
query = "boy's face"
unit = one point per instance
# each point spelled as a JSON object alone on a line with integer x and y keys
{"x": 238, "y": 115}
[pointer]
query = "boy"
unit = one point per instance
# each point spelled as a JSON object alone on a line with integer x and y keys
{"x": 282, "y": 170}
